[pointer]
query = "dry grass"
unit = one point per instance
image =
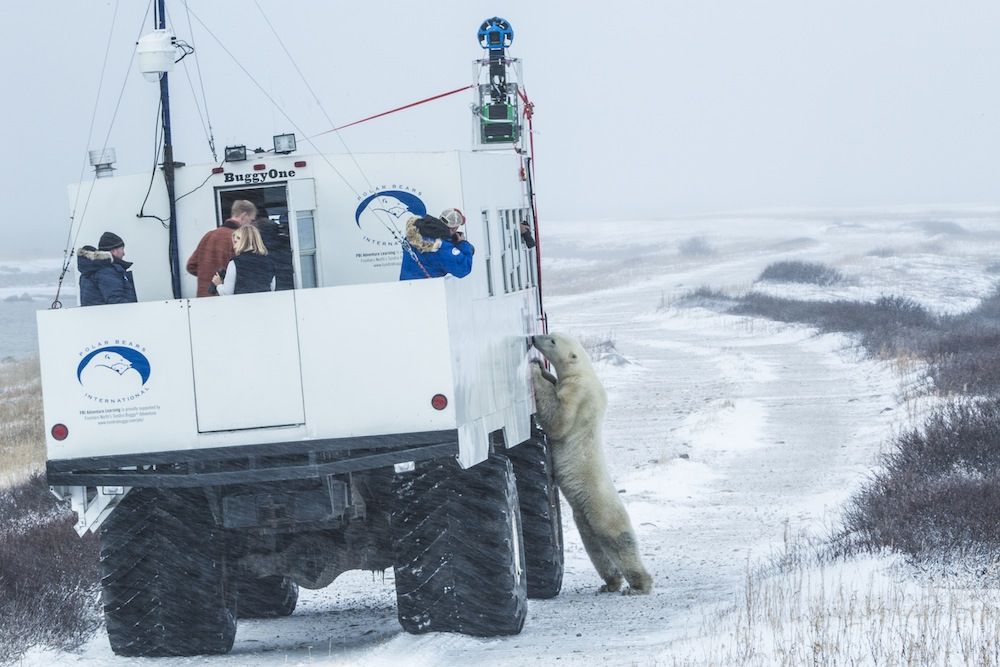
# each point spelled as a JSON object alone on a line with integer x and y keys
{"x": 22, "y": 430}
{"x": 602, "y": 349}
{"x": 818, "y": 610}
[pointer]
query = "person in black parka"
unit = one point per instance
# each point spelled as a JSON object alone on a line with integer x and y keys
{"x": 279, "y": 249}
{"x": 104, "y": 274}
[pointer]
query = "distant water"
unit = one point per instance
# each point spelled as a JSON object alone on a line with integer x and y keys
{"x": 25, "y": 288}
{"x": 18, "y": 334}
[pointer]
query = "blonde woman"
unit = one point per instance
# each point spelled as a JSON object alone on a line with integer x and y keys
{"x": 251, "y": 270}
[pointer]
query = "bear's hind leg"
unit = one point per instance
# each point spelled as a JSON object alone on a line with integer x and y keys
{"x": 639, "y": 580}
{"x": 599, "y": 556}
{"x": 613, "y": 531}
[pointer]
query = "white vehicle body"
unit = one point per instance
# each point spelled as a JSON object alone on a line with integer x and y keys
{"x": 349, "y": 359}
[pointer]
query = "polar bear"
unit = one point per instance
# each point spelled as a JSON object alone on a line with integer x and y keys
{"x": 110, "y": 375}
{"x": 571, "y": 412}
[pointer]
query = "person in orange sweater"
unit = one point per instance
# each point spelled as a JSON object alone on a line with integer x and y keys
{"x": 216, "y": 247}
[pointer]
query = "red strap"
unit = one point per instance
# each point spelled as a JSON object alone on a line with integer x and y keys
{"x": 406, "y": 106}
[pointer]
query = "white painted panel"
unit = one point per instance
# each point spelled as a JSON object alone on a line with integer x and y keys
{"x": 374, "y": 356}
{"x": 302, "y": 194}
{"x": 119, "y": 377}
{"x": 245, "y": 356}
{"x": 489, "y": 337}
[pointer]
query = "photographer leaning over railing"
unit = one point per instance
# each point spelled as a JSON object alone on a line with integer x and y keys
{"x": 435, "y": 247}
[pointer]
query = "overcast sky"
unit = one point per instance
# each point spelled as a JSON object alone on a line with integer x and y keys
{"x": 643, "y": 109}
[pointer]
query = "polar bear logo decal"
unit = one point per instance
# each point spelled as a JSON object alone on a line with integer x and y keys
{"x": 382, "y": 217}
{"x": 113, "y": 373}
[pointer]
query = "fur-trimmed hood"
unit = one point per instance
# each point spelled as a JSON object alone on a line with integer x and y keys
{"x": 418, "y": 241}
{"x": 89, "y": 259}
{"x": 432, "y": 251}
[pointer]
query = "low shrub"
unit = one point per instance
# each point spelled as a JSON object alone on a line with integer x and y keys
{"x": 602, "y": 349}
{"x": 939, "y": 486}
{"x": 49, "y": 577}
{"x": 965, "y": 355}
{"x": 801, "y": 272}
{"x": 704, "y": 296}
{"x": 962, "y": 351}
{"x": 696, "y": 246}
{"x": 598, "y": 345}
{"x": 881, "y": 252}
{"x": 886, "y": 325}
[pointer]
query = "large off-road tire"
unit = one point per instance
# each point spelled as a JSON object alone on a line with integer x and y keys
{"x": 459, "y": 554}
{"x": 540, "y": 516}
{"x": 166, "y": 586}
{"x": 266, "y": 597}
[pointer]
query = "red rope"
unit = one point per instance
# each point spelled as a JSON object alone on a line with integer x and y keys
{"x": 529, "y": 111}
{"x": 406, "y": 106}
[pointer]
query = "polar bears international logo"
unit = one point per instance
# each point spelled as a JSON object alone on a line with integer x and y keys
{"x": 114, "y": 374}
{"x": 381, "y": 216}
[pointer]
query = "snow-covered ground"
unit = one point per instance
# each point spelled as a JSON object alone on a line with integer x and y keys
{"x": 725, "y": 434}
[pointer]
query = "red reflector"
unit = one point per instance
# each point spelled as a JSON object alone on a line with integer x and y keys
{"x": 300, "y": 164}
{"x": 59, "y": 431}
{"x": 218, "y": 170}
{"x": 439, "y": 402}
{"x": 259, "y": 167}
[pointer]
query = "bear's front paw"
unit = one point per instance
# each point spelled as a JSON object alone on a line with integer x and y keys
{"x": 539, "y": 374}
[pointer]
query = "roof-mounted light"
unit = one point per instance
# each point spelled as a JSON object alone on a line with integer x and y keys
{"x": 284, "y": 143}
{"x": 236, "y": 153}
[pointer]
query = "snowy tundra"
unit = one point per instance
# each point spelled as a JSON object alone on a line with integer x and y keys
{"x": 724, "y": 434}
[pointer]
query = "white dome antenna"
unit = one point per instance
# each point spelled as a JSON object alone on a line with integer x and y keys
{"x": 156, "y": 52}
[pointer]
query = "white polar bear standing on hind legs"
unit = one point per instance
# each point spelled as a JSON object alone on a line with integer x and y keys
{"x": 571, "y": 411}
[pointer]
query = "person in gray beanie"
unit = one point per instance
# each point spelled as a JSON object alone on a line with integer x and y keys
{"x": 104, "y": 274}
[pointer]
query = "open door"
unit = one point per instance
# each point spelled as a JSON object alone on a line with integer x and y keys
{"x": 272, "y": 222}
{"x": 302, "y": 207}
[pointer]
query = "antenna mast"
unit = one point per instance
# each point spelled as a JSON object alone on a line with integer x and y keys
{"x": 168, "y": 164}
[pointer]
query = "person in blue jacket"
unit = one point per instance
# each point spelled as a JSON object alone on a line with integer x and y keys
{"x": 104, "y": 274}
{"x": 435, "y": 247}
